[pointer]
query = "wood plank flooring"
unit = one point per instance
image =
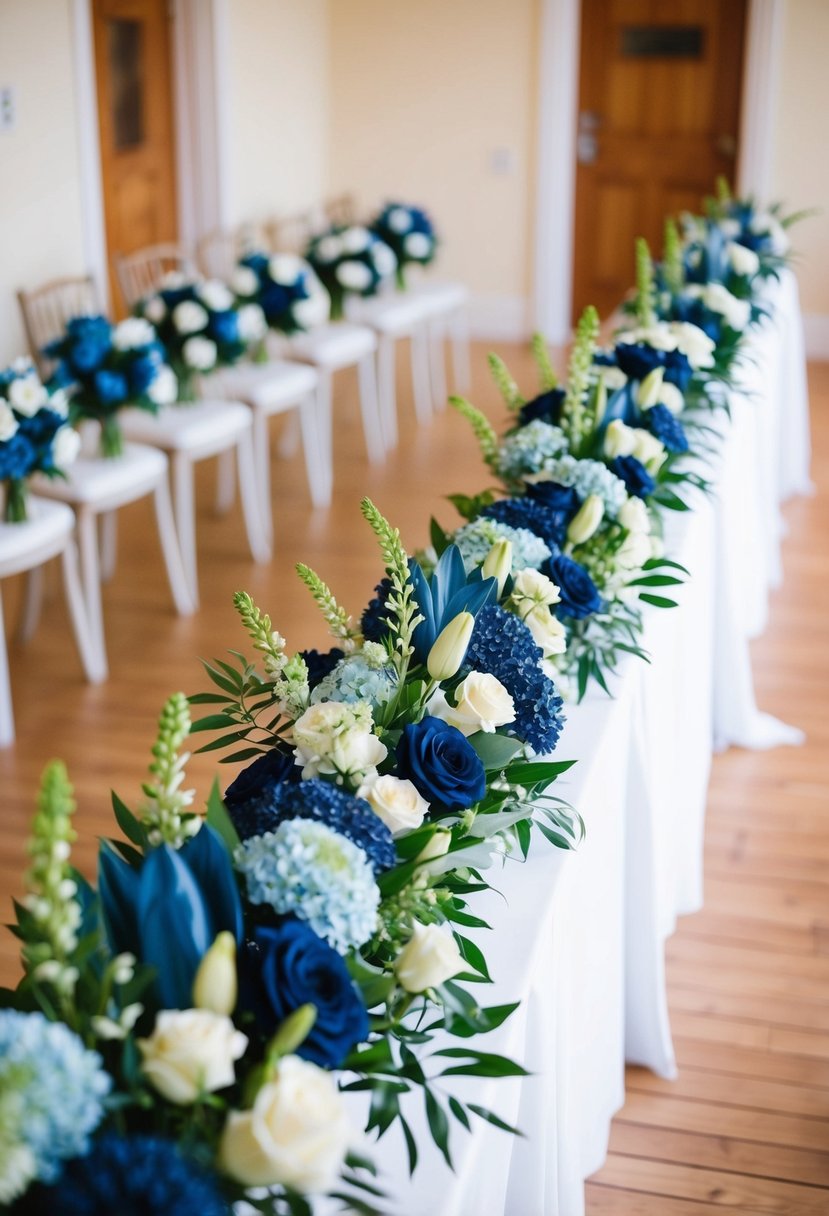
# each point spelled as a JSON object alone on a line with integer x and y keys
{"x": 746, "y": 1125}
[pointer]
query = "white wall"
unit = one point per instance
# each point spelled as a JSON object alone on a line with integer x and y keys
{"x": 40, "y": 202}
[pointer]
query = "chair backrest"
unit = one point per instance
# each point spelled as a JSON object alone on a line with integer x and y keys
{"x": 341, "y": 209}
{"x": 141, "y": 273}
{"x": 46, "y": 310}
{"x": 290, "y": 233}
{"x": 217, "y": 252}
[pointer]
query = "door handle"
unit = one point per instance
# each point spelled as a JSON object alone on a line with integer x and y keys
{"x": 587, "y": 144}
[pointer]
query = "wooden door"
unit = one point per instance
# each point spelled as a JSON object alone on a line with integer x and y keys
{"x": 135, "y": 114}
{"x": 659, "y": 109}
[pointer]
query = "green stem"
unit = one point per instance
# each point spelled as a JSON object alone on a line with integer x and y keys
{"x": 400, "y": 276}
{"x": 16, "y": 495}
{"x": 112, "y": 441}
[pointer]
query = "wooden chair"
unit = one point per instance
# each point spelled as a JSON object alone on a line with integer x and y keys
{"x": 341, "y": 209}
{"x": 274, "y": 387}
{"x": 48, "y": 532}
{"x": 219, "y": 250}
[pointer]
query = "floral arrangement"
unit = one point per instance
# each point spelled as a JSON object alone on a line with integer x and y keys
{"x": 201, "y": 327}
{"x": 350, "y": 261}
{"x": 183, "y": 1035}
{"x": 409, "y": 233}
{"x": 286, "y": 289}
{"x": 104, "y": 368}
{"x": 34, "y": 434}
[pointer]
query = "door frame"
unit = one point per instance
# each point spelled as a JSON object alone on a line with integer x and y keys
{"x": 556, "y": 153}
{"x": 200, "y": 121}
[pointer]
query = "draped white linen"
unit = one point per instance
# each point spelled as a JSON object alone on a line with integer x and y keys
{"x": 580, "y": 937}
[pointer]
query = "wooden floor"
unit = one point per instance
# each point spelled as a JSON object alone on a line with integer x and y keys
{"x": 746, "y": 1126}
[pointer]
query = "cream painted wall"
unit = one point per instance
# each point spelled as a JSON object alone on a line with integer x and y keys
{"x": 800, "y": 165}
{"x": 40, "y": 202}
{"x": 422, "y": 95}
{"x": 278, "y": 123}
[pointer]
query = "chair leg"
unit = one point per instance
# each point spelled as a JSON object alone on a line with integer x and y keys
{"x": 258, "y": 541}
{"x": 325, "y": 420}
{"x": 386, "y": 389}
{"x": 420, "y": 375}
{"x": 372, "y": 423}
{"x": 91, "y": 582}
{"x": 226, "y": 483}
{"x": 6, "y": 712}
{"x": 94, "y": 663}
{"x": 317, "y": 451}
{"x": 262, "y": 456}
{"x": 437, "y": 364}
{"x": 185, "y": 599}
{"x": 108, "y": 523}
{"x": 459, "y": 329}
{"x": 31, "y": 605}
{"x": 289, "y": 439}
{"x": 184, "y": 513}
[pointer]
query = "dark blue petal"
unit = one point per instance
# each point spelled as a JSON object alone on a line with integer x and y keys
{"x": 174, "y": 927}
{"x": 118, "y": 889}
{"x": 207, "y": 858}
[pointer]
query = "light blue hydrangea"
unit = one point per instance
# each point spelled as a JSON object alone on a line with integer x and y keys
{"x": 590, "y": 477}
{"x": 530, "y": 449}
{"x": 476, "y": 539}
{"x": 54, "y": 1087}
{"x": 353, "y": 679}
{"x": 306, "y": 869}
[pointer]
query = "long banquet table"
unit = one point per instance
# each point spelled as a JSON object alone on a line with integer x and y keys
{"x": 580, "y": 937}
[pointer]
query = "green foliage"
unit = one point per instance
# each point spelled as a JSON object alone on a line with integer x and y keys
{"x": 546, "y": 372}
{"x": 336, "y": 618}
{"x": 482, "y": 428}
{"x": 673, "y": 268}
{"x": 504, "y": 382}
{"x": 645, "y": 300}
{"x": 400, "y": 602}
{"x": 576, "y": 421}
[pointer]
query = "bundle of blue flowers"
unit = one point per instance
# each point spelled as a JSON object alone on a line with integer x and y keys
{"x": 350, "y": 260}
{"x": 409, "y": 233}
{"x": 182, "y": 1034}
{"x": 34, "y": 434}
{"x": 285, "y": 287}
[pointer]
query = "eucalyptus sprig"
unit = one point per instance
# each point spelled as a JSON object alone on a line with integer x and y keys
{"x": 404, "y": 616}
{"x": 482, "y": 428}
{"x": 340, "y": 624}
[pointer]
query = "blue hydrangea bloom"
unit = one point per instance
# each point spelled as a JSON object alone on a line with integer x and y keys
{"x": 61, "y": 1087}
{"x": 258, "y": 779}
{"x": 548, "y": 523}
{"x": 636, "y": 477}
{"x": 17, "y": 457}
{"x": 111, "y": 387}
{"x": 529, "y": 449}
{"x": 306, "y": 869}
{"x": 320, "y": 800}
{"x": 477, "y": 538}
{"x": 224, "y": 327}
{"x": 503, "y": 646}
{"x": 667, "y": 429}
{"x": 137, "y": 1176}
{"x": 353, "y": 679}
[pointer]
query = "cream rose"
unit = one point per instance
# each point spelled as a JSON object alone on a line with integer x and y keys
{"x": 430, "y": 957}
{"x": 191, "y": 1052}
{"x": 396, "y": 802}
{"x": 27, "y": 395}
{"x": 547, "y": 630}
{"x": 743, "y": 261}
{"x": 649, "y": 450}
{"x": 189, "y": 317}
{"x": 8, "y": 422}
{"x": 633, "y": 515}
{"x": 482, "y": 704}
{"x": 199, "y": 353}
{"x": 532, "y": 585}
{"x": 297, "y": 1133}
{"x": 334, "y": 738}
{"x": 619, "y": 439}
{"x": 694, "y": 343}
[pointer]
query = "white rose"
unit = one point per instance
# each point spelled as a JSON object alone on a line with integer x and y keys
{"x": 671, "y": 397}
{"x": 353, "y": 276}
{"x": 694, "y": 343}
{"x": 633, "y": 515}
{"x": 768, "y": 225}
{"x": 482, "y": 703}
{"x": 244, "y": 281}
{"x": 658, "y": 336}
{"x": 385, "y": 263}
{"x": 532, "y": 585}
{"x": 547, "y": 630}
{"x": 131, "y": 333}
{"x": 297, "y": 1133}
{"x": 316, "y": 309}
{"x": 619, "y": 439}
{"x": 216, "y": 295}
{"x": 743, "y": 261}
{"x": 189, "y": 317}
{"x": 430, "y": 958}
{"x": 191, "y": 1052}
{"x": 417, "y": 245}
{"x": 399, "y": 219}
{"x": 648, "y": 449}
{"x": 614, "y": 378}
{"x": 719, "y": 299}
{"x": 164, "y": 388}
{"x": 396, "y": 802}
{"x": 252, "y": 323}
{"x": 328, "y": 739}
{"x": 27, "y": 395}
{"x": 65, "y": 446}
{"x": 729, "y": 227}
{"x": 59, "y": 402}
{"x": 8, "y": 422}
{"x": 634, "y": 551}
{"x": 329, "y": 248}
{"x": 356, "y": 239}
{"x": 285, "y": 268}
{"x": 199, "y": 353}
{"x": 155, "y": 310}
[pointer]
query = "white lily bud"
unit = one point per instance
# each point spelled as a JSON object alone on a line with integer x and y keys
{"x": 215, "y": 986}
{"x": 586, "y": 521}
{"x": 449, "y": 649}
{"x": 650, "y": 390}
{"x": 498, "y": 563}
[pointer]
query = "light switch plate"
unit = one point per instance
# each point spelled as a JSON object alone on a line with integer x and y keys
{"x": 502, "y": 162}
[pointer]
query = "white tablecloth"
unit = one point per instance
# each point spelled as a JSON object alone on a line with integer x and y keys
{"x": 580, "y": 937}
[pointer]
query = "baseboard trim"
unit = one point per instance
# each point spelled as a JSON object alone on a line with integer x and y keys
{"x": 499, "y": 318}
{"x": 816, "y": 335}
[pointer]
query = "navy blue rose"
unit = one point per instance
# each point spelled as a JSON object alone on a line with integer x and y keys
{"x": 259, "y": 779}
{"x": 636, "y": 477}
{"x": 442, "y": 764}
{"x": 554, "y": 495}
{"x": 224, "y": 327}
{"x": 321, "y": 663}
{"x": 546, "y": 407}
{"x": 17, "y": 457}
{"x": 667, "y": 429}
{"x": 638, "y": 361}
{"x": 275, "y": 300}
{"x": 142, "y": 372}
{"x": 579, "y": 595}
{"x": 288, "y": 966}
{"x": 110, "y": 387}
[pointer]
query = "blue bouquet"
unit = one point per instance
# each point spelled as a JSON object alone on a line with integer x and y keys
{"x": 350, "y": 261}
{"x": 409, "y": 232}
{"x": 286, "y": 289}
{"x": 34, "y": 434}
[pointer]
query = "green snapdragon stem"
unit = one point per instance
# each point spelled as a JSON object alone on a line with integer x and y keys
{"x": 400, "y": 276}
{"x": 112, "y": 441}
{"x": 186, "y": 387}
{"x": 16, "y": 498}
{"x": 337, "y": 305}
